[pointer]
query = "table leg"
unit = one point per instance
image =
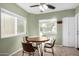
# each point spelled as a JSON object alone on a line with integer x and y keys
{"x": 39, "y": 50}
{"x": 42, "y": 49}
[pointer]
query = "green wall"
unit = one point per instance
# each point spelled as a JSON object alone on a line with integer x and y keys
{"x": 10, "y": 45}
{"x": 32, "y": 23}
{"x": 34, "y": 26}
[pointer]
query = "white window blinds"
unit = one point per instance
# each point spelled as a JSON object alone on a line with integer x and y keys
{"x": 12, "y": 24}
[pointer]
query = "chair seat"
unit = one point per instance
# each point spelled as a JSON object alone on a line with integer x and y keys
{"x": 48, "y": 45}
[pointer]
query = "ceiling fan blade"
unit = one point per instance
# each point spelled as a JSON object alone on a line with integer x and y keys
{"x": 34, "y": 6}
{"x": 51, "y": 7}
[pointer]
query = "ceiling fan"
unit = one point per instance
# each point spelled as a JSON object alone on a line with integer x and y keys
{"x": 44, "y": 6}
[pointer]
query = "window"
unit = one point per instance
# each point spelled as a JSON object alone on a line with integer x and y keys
{"x": 48, "y": 28}
{"x": 12, "y": 24}
{"x": 21, "y": 26}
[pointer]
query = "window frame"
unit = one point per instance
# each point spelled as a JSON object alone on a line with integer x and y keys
{"x": 47, "y": 20}
{"x": 17, "y": 17}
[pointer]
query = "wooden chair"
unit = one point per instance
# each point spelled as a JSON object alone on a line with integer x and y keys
{"x": 50, "y": 45}
{"x": 27, "y": 47}
{"x": 25, "y": 39}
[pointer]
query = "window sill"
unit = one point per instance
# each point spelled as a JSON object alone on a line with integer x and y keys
{"x": 11, "y": 36}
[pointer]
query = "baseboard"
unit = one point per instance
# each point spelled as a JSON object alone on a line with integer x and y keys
{"x": 15, "y": 52}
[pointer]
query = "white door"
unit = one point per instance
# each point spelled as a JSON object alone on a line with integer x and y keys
{"x": 68, "y": 31}
{"x": 65, "y": 31}
{"x": 76, "y": 23}
{"x": 71, "y": 38}
{"x": 78, "y": 31}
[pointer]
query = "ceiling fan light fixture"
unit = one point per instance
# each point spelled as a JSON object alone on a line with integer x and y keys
{"x": 45, "y": 6}
{"x": 41, "y": 8}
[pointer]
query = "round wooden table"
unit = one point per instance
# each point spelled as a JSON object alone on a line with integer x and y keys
{"x": 38, "y": 39}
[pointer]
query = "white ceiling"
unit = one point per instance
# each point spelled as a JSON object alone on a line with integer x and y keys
{"x": 36, "y": 10}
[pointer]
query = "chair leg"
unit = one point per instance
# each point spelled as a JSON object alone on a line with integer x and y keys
{"x": 29, "y": 53}
{"x": 33, "y": 53}
{"x": 22, "y": 53}
{"x": 44, "y": 49}
{"x": 38, "y": 52}
{"x": 53, "y": 51}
